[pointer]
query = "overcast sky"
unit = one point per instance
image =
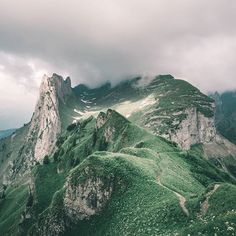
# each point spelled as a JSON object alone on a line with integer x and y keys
{"x": 93, "y": 41}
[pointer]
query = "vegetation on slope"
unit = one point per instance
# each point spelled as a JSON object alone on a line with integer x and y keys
{"x": 157, "y": 189}
{"x": 147, "y": 173}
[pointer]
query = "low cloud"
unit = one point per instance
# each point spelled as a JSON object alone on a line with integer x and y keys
{"x": 98, "y": 40}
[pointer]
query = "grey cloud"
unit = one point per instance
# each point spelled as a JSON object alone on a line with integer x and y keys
{"x": 94, "y": 41}
{"x": 19, "y": 70}
{"x": 98, "y": 40}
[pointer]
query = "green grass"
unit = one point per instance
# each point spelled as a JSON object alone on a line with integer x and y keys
{"x": 219, "y": 207}
{"x": 47, "y": 182}
{"x": 220, "y": 218}
{"x": 11, "y": 209}
{"x": 138, "y": 206}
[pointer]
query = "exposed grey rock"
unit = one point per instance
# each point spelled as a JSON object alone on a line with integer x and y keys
{"x": 46, "y": 124}
{"x": 40, "y": 135}
{"x": 101, "y": 120}
{"x": 196, "y": 128}
{"x": 87, "y": 198}
{"x": 53, "y": 225}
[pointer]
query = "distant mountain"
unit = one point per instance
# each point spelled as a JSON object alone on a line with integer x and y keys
{"x": 6, "y": 133}
{"x": 226, "y": 114}
{"x": 140, "y": 158}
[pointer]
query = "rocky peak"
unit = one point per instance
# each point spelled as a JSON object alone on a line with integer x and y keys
{"x": 56, "y": 85}
{"x": 45, "y": 124}
{"x": 103, "y": 117}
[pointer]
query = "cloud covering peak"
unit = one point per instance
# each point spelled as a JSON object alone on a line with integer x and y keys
{"x": 98, "y": 40}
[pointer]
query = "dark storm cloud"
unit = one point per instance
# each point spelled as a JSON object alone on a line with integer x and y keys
{"x": 98, "y": 40}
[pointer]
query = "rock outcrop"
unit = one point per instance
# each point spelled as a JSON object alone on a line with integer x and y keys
{"x": 195, "y": 129}
{"x": 87, "y": 197}
{"x": 46, "y": 124}
{"x": 102, "y": 118}
{"x": 36, "y": 139}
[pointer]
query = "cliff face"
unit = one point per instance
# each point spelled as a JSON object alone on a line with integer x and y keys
{"x": 168, "y": 107}
{"x": 195, "y": 129}
{"x": 225, "y": 118}
{"x": 85, "y": 199}
{"x": 38, "y": 138}
{"x": 46, "y": 124}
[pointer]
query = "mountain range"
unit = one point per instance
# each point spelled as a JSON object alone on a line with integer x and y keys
{"x": 145, "y": 157}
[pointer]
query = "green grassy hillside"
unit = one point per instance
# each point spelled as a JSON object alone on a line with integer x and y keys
{"x": 156, "y": 188}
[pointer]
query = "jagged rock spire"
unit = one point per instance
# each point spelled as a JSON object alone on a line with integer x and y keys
{"x": 46, "y": 123}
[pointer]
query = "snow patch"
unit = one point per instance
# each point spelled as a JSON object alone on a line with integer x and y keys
{"x": 79, "y": 112}
{"x": 127, "y": 108}
{"x": 86, "y": 102}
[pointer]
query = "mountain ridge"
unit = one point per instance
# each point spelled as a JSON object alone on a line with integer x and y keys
{"x": 119, "y": 161}
{"x": 89, "y": 156}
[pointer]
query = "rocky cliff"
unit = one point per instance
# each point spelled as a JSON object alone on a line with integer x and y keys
{"x": 85, "y": 198}
{"x": 46, "y": 123}
{"x": 171, "y": 108}
{"x": 194, "y": 129}
{"x": 34, "y": 141}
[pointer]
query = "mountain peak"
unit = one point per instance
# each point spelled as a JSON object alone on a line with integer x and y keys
{"x": 57, "y": 86}
{"x": 45, "y": 124}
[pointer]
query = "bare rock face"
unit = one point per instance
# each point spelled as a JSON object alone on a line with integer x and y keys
{"x": 46, "y": 124}
{"x": 196, "y": 128}
{"x": 85, "y": 199}
{"x": 37, "y": 138}
{"x": 102, "y": 118}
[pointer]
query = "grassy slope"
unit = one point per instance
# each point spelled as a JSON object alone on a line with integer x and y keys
{"x": 139, "y": 205}
{"x": 10, "y": 148}
{"x": 221, "y": 215}
{"x": 11, "y": 209}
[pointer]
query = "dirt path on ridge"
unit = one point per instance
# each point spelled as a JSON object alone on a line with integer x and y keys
{"x": 205, "y": 205}
{"x": 182, "y": 199}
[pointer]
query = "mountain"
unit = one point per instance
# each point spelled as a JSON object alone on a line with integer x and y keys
{"x": 226, "y": 114}
{"x": 168, "y": 107}
{"x": 171, "y": 108}
{"x": 6, "y": 133}
{"x": 111, "y": 177}
{"x": 29, "y": 144}
{"x": 139, "y": 158}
